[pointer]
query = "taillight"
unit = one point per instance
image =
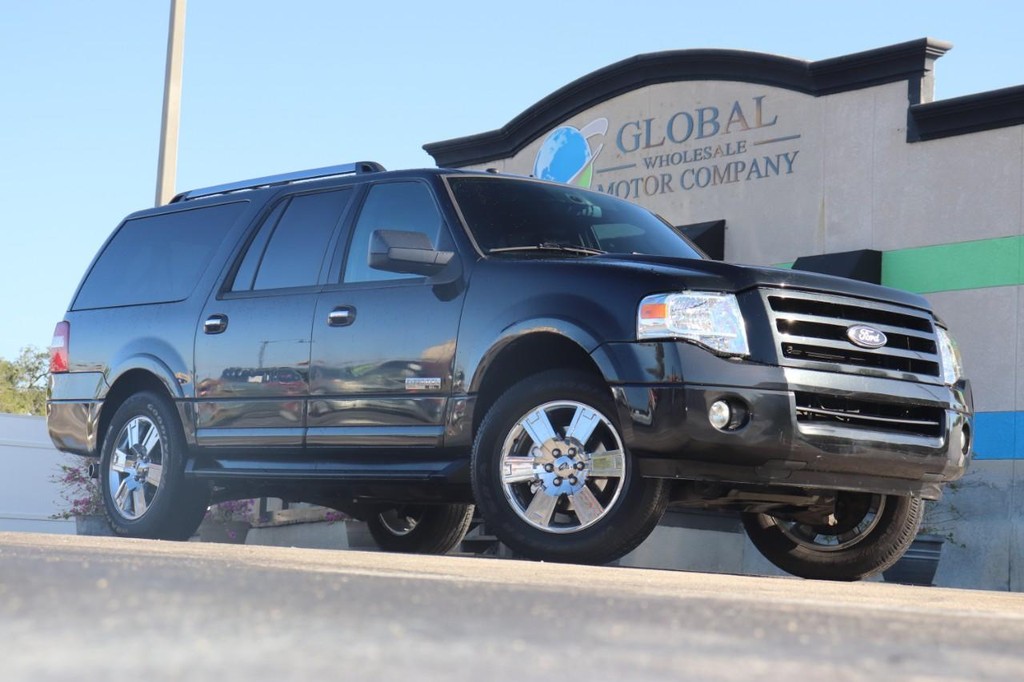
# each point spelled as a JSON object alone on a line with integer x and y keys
{"x": 59, "y": 348}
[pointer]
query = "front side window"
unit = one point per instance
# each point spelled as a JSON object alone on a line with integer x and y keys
{"x": 289, "y": 248}
{"x": 524, "y": 217}
{"x": 407, "y": 206}
{"x": 158, "y": 258}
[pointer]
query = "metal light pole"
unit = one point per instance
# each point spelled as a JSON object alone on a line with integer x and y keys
{"x": 167, "y": 165}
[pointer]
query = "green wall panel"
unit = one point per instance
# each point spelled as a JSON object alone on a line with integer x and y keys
{"x": 949, "y": 267}
{"x": 953, "y": 267}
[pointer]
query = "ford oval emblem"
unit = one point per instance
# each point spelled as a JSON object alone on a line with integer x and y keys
{"x": 866, "y": 337}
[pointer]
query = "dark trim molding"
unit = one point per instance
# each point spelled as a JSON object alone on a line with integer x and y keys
{"x": 969, "y": 114}
{"x": 910, "y": 61}
{"x": 708, "y": 236}
{"x": 864, "y": 265}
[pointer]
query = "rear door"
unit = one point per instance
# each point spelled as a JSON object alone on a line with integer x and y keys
{"x": 383, "y": 342}
{"x": 252, "y": 349}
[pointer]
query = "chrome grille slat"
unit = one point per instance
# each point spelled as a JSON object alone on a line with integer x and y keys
{"x": 844, "y": 323}
{"x": 840, "y": 345}
{"x": 886, "y": 420}
{"x": 869, "y": 312}
{"x": 817, "y": 409}
{"x": 810, "y": 328}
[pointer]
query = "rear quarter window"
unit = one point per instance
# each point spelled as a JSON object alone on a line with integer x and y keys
{"x": 156, "y": 259}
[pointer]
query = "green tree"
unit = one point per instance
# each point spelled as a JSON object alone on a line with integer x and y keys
{"x": 23, "y": 382}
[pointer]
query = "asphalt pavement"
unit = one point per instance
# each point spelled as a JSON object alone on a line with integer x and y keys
{"x": 84, "y": 608}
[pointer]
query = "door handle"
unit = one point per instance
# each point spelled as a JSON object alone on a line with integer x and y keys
{"x": 215, "y": 324}
{"x": 342, "y": 316}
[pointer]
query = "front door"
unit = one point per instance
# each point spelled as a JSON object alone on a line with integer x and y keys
{"x": 383, "y": 343}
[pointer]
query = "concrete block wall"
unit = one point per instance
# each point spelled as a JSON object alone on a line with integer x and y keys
{"x": 982, "y": 518}
{"x": 27, "y": 495}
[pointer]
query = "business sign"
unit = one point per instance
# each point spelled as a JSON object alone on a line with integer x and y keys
{"x": 567, "y": 153}
{"x": 689, "y": 150}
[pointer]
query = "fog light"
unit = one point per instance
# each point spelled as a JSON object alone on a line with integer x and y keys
{"x": 965, "y": 439}
{"x": 720, "y": 414}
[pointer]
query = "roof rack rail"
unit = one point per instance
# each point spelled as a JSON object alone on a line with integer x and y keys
{"x": 282, "y": 179}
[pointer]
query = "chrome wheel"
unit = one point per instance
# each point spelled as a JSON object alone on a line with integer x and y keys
{"x": 849, "y": 526}
{"x": 136, "y": 468}
{"x": 398, "y": 521}
{"x": 562, "y": 467}
{"x": 865, "y": 534}
{"x": 420, "y": 528}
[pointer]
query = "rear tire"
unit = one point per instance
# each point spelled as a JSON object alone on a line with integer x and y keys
{"x": 870, "y": 534}
{"x": 552, "y": 477}
{"x": 421, "y": 529}
{"x": 142, "y": 473}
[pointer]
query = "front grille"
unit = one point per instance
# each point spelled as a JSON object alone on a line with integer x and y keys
{"x": 814, "y": 408}
{"x": 811, "y": 332}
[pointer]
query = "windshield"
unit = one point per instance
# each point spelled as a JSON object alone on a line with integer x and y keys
{"x": 513, "y": 216}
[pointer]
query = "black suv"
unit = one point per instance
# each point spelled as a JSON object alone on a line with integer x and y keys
{"x": 402, "y": 345}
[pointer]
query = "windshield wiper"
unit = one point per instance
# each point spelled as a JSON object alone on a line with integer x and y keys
{"x": 551, "y": 246}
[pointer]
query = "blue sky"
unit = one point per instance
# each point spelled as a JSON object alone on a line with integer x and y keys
{"x": 278, "y": 86}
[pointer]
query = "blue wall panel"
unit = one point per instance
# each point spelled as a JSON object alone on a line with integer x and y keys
{"x": 998, "y": 435}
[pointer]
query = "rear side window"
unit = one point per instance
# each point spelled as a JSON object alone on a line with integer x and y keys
{"x": 157, "y": 259}
{"x": 290, "y": 246}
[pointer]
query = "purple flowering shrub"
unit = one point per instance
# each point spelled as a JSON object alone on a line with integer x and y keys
{"x": 332, "y": 516}
{"x": 80, "y": 494}
{"x": 232, "y": 510}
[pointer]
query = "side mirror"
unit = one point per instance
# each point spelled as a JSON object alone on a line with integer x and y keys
{"x": 407, "y": 252}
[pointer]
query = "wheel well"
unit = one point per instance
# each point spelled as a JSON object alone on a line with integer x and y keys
{"x": 523, "y": 357}
{"x": 128, "y": 384}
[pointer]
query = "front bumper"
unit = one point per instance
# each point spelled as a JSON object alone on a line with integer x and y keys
{"x": 665, "y": 424}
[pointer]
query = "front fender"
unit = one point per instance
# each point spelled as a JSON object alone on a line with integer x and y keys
{"x": 586, "y": 339}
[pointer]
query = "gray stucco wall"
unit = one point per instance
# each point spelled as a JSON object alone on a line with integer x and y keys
{"x": 856, "y": 183}
{"x": 27, "y": 495}
{"x": 981, "y": 516}
{"x": 852, "y": 181}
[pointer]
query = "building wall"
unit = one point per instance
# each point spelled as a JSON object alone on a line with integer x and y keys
{"x": 28, "y": 498}
{"x": 803, "y": 170}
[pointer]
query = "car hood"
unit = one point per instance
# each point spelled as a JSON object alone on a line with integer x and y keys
{"x": 719, "y": 276}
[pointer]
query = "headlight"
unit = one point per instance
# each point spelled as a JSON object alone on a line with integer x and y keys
{"x": 952, "y": 364}
{"x": 711, "y": 320}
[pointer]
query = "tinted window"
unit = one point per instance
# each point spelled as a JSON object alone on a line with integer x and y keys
{"x": 298, "y": 242}
{"x": 158, "y": 258}
{"x": 405, "y": 206}
{"x": 524, "y": 217}
{"x": 247, "y": 270}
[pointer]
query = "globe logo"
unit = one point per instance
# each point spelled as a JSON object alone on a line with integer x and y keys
{"x": 566, "y": 156}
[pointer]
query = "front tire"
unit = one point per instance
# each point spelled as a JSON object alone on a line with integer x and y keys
{"x": 421, "y": 529}
{"x": 868, "y": 533}
{"x": 142, "y": 473}
{"x": 552, "y": 477}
